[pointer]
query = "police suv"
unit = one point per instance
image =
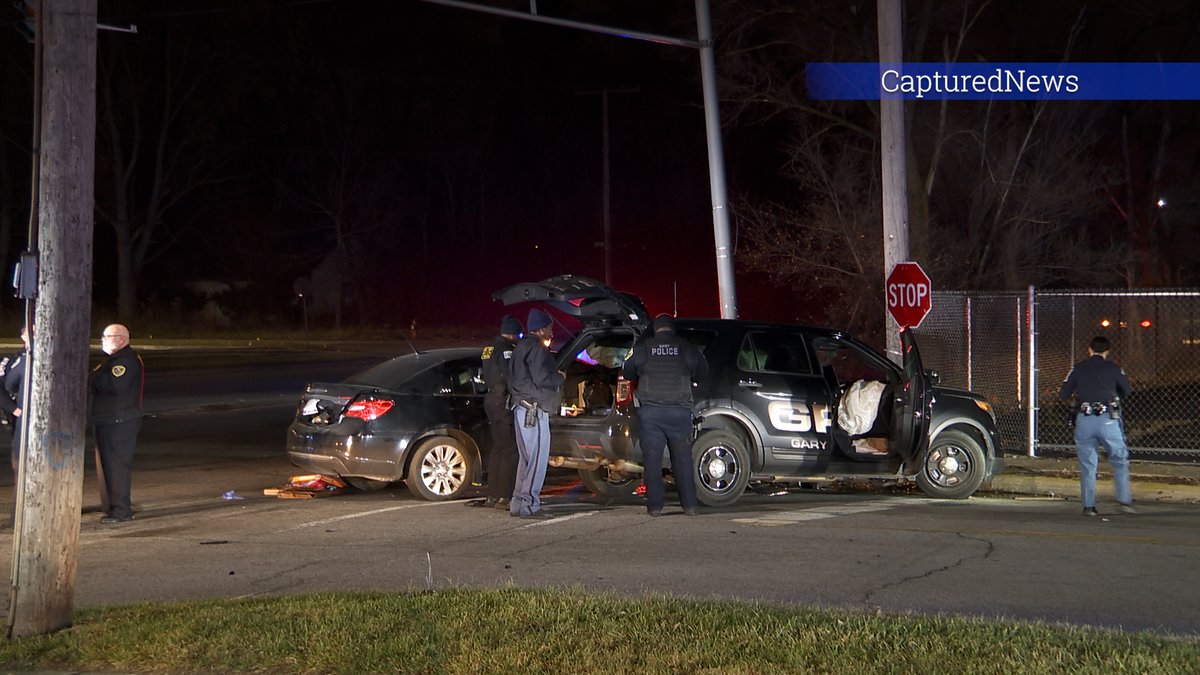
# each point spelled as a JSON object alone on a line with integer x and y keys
{"x": 782, "y": 403}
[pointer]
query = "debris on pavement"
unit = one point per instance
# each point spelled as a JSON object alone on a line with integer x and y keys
{"x": 309, "y": 486}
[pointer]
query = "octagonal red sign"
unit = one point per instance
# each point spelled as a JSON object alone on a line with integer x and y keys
{"x": 908, "y": 292}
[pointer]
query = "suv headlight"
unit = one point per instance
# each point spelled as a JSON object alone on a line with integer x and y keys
{"x": 987, "y": 408}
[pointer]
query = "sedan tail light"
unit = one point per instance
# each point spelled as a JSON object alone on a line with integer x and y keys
{"x": 369, "y": 409}
{"x": 624, "y": 391}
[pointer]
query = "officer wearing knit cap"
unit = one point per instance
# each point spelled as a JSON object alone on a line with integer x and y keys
{"x": 502, "y": 458}
{"x": 665, "y": 366}
{"x": 534, "y": 389}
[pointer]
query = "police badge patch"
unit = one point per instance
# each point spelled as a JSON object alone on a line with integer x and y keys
{"x": 487, "y": 352}
{"x": 118, "y": 371}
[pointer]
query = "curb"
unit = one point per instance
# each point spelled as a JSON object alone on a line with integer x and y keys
{"x": 1145, "y": 489}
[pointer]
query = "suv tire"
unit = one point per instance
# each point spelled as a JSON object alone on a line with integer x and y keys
{"x": 440, "y": 469}
{"x": 952, "y": 467}
{"x": 722, "y": 467}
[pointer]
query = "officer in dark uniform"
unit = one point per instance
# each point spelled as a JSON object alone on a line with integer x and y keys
{"x": 665, "y": 366}
{"x": 534, "y": 388}
{"x": 1100, "y": 386}
{"x": 116, "y": 415}
{"x": 12, "y": 395}
{"x": 502, "y": 461}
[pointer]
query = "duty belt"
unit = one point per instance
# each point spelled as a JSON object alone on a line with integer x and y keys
{"x": 1094, "y": 409}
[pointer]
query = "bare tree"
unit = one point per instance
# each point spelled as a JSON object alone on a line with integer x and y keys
{"x": 155, "y": 142}
{"x": 828, "y": 246}
{"x": 1008, "y": 194}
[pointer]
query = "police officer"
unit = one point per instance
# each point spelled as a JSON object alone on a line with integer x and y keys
{"x": 1100, "y": 385}
{"x": 12, "y": 394}
{"x": 534, "y": 389}
{"x": 502, "y": 461}
{"x": 116, "y": 416}
{"x": 665, "y": 366}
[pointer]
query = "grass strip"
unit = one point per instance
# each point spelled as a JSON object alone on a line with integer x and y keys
{"x": 533, "y": 631}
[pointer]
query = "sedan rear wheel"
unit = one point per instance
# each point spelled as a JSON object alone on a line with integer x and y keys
{"x": 722, "y": 466}
{"x": 440, "y": 469}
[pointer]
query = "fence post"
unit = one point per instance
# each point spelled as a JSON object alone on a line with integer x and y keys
{"x": 1033, "y": 391}
{"x": 969, "y": 353}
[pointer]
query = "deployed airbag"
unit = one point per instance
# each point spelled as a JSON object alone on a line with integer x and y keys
{"x": 859, "y": 406}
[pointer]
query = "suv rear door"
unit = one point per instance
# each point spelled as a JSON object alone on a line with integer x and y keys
{"x": 776, "y": 385}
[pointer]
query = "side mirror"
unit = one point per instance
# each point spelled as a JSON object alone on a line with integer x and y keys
{"x": 933, "y": 376}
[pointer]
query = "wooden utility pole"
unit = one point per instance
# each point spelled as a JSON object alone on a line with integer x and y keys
{"x": 50, "y": 480}
{"x": 891, "y": 134}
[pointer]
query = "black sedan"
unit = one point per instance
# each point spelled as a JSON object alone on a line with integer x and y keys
{"x": 417, "y": 418}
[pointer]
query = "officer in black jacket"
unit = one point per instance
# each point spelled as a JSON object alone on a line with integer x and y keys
{"x": 116, "y": 415}
{"x": 12, "y": 395}
{"x": 534, "y": 388}
{"x": 665, "y": 366}
{"x": 1100, "y": 386}
{"x": 502, "y": 461}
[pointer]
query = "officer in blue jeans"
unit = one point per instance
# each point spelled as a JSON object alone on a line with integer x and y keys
{"x": 665, "y": 366}
{"x": 534, "y": 390}
{"x": 1100, "y": 386}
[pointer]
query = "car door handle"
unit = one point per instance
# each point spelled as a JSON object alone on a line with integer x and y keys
{"x": 750, "y": 384}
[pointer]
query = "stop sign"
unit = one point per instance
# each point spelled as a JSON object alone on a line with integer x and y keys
{"x": 908, "y": 294}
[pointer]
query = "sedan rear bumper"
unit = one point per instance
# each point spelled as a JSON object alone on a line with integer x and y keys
{"x": 337, "y": 454}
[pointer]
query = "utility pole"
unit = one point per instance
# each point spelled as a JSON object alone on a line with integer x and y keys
{"x": 606, "y": 210}
{"x": 895, "y": 183}
{"x": 50, "y": 480}
{"x": 607, "y": 195}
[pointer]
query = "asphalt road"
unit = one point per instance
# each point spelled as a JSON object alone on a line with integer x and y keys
{"x": 873, "y": 549}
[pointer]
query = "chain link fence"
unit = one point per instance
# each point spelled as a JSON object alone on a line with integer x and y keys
{"x": 991, "y": 343}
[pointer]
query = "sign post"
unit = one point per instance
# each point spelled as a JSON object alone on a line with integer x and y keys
{"x": 909, "y": 294}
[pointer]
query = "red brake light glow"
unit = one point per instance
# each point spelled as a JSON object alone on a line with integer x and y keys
{"x": 369, "y": 409}
{"x": 624, "y": 390}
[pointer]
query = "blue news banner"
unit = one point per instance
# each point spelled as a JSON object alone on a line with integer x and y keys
{"x": 1004, "y": 81}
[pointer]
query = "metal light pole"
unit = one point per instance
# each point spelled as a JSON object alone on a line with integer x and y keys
{"x": 712, "y": 119}
{"x": 716, "y": 163}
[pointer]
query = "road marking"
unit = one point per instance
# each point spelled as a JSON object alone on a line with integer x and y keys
{"x": 819, "y": 513}
{"x": 364, "y": 514}
{"x": 559, "y": 519}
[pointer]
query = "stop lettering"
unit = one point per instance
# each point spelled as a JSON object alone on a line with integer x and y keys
{"x": 907, "y": 295}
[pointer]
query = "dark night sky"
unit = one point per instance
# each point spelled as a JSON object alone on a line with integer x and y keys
{"x": 473, "y": 147}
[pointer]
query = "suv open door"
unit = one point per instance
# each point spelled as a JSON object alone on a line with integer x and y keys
{"x": 913, "y": 409}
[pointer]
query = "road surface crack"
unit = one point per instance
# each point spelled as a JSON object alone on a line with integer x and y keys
{"x": 990, "y": 547}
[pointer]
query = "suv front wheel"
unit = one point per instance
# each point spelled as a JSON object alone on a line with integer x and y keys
{"x": 953, "y": 466}
{"x": 722, "y": 467}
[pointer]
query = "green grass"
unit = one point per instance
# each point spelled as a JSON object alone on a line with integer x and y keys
{"x": 520, "y": 631}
